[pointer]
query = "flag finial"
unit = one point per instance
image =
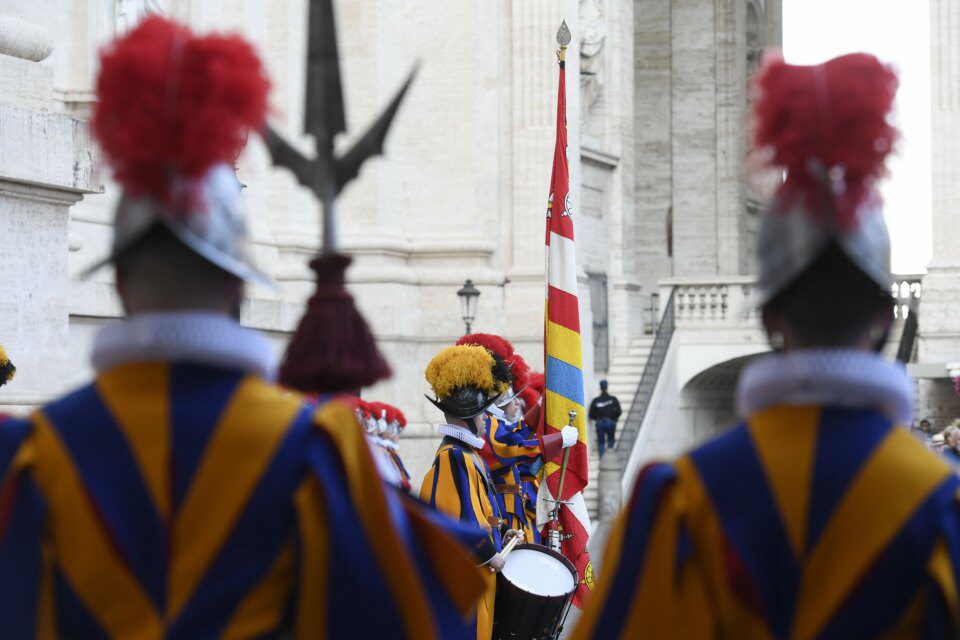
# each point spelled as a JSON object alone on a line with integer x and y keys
{"x": 563, "y": 39}
{"x": 563, "y": 34}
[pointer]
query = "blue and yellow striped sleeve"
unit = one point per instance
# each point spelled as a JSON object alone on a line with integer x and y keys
{"x": 509, "y": 446}
{"x": 650, "y": 589}
{"x": 25, "y": 576}
{"x": 358, "y": 536}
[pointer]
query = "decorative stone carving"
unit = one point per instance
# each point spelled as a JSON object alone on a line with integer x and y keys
{"x": 129, "y": 13}
{"x": 25, "y": 40}
{"x": 593, "y": 29}
{"x": 756, "y": 35}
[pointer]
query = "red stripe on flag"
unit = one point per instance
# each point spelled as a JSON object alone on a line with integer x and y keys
{"x": 577, "y": 467}
{"x": 575, "y": 549}
{"x": 563, "y": 309}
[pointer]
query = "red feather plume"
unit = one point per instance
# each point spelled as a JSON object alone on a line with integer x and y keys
{"x": 171, "y": 104}
{"x": 529, "y": 397}
{"x": 376, "y": 409}
{"x": 502, "y": 348}
{"x": 538, "y": 382}
{"x": 492, "y": 343}
{"x": 833, "y": 118}
{"x": 520, "y": 371}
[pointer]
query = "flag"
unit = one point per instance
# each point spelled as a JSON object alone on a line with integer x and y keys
{"x": 563, "y": 363}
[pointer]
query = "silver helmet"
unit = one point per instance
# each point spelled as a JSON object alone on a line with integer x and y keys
{"x": 215, "y": 228}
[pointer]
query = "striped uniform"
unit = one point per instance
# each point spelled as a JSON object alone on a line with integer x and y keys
{"x": 529, "y": 480}
{"x": 506, "y": 452}
{"x": 458, "y": 483}
{"x": 805, "y": 522}
{"x": 394, "y": 455}
{"x": 185, "y": 501}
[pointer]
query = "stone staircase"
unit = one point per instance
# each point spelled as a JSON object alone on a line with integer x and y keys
{"x": 623, "y": 378}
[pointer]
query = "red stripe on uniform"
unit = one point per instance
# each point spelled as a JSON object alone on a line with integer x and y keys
{"x": 563, "y": 309}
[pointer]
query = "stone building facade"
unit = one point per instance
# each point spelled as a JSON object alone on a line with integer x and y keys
{"x": 657, "y": 103}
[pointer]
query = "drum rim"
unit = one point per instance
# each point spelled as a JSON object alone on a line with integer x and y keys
{"x": 559, "y": 556}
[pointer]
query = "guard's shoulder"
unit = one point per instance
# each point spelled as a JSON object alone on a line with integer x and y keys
{"x": 13, "y": 434}
{"x": 720, "y": 445}
{"x": 333, "y": 414}
{"x": 67, "y": 403}
{"x": 451, "y": 452}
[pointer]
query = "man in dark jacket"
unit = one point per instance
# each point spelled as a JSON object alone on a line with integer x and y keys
{"x": 604, "y": 411}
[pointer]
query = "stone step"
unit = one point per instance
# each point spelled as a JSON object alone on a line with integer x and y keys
{"x": 633, "y": 358}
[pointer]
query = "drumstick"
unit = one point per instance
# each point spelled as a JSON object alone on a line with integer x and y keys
{"x": 510, "y": 545}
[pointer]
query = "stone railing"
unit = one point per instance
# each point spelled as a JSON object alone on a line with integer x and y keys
{"x": 725, "y": 300}
{"x": 710, "y": 300}
{"x": 906, "y": 290}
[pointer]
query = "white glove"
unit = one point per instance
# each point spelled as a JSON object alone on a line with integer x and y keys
{"x": 570, "y": 436}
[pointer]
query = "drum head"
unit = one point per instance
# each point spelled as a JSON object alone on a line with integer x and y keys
{"x": 540, "y": 571}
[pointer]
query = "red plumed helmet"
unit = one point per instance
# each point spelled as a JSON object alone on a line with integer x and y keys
{"x": 494, "y": 344}
{"x": 529, "y": 397}
{"x": 830, "y": 120}
{"x": 520, "y": 371}
{"x": 172, "y": 105}
{"x": 376, "y": 409}
{"x": 538, "y": 382}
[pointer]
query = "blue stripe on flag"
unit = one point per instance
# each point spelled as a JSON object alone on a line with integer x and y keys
{"x": 565, "y": 380}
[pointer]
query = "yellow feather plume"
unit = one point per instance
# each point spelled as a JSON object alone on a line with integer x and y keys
{"x": 7, "y": 370}
{"x": 459, "y": 366}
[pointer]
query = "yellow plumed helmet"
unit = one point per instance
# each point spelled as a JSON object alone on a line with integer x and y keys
{"x": 7, "y": 370}
{"x": 462, "y": 378}
{"x": 461, "y": 366}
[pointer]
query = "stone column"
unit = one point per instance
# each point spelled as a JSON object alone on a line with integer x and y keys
{"x": 47, "y": 163}
{"x": 939, "y": 325}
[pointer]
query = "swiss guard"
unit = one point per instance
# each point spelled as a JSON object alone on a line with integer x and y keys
{"x": 513, "y": 449}
{"x": 182, "y": 493}
{"x": 396, "y": 423}
{"x": 818, "y": 516}
{"x": 466, "y": 380}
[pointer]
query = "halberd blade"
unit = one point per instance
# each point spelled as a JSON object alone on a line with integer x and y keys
{"x": 370, "y": 144}
{"x": 284, "y": 155}
{"x": 324, "y": 117}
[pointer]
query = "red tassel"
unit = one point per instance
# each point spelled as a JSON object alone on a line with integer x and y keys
{"x": 834, "y": 115}
{"x": 332, "y": 349}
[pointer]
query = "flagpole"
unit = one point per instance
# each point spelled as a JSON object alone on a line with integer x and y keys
{"x": 554, "y": 538}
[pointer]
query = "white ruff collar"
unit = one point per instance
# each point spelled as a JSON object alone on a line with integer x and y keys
{"x": 462, "y": 434}
{"x": 828, "y": 377}
{"x": 389, "y": 444}
{"x": 202, "y": 338}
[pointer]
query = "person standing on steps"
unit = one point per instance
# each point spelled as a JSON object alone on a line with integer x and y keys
{"x": 604, "y": 412}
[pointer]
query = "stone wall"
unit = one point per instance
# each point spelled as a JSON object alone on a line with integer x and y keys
{"x": 460, "y": 194}
{"x": 939, "y": 337}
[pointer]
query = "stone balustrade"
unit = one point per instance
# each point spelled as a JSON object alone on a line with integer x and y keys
{"x": 724, "y": 301}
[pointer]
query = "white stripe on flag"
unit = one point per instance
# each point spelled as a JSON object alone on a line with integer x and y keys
{"x": 563, "y": 264}
{"x": 576, "y": 505}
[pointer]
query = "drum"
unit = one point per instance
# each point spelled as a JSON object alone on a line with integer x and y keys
{"x": 534, "y": 591}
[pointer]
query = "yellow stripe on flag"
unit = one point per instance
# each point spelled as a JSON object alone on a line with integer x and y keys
{"x": 564, "y": 344}
{"x": 558, "y": 416}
